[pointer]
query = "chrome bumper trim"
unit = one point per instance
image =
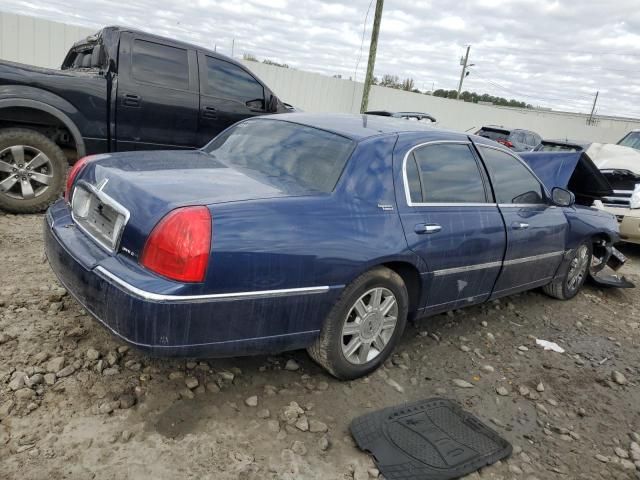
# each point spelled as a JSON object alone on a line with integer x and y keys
{"x": 158, "y": 297}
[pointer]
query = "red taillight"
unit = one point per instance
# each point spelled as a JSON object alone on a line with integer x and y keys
{"x": 506, "y": 143}
{"x": 178, "y": 247}
{"x": 73, "y": 173}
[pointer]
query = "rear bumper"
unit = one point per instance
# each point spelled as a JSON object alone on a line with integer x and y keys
{"x": 629, "y": 223}
{"x": 176, "y": 325}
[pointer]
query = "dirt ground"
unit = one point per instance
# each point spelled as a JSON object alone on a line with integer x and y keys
{"x": 76, "y": 403}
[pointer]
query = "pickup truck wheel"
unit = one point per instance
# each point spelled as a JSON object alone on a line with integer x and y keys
{"x": 364, "y": 326}
{"x": 32, "y": 171}
{"x": 575, "y": 272}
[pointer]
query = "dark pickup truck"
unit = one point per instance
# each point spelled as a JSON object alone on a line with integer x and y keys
{"x": 118, "y": 90}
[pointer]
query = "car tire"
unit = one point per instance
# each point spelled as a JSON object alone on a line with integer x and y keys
{"x": 344, "y": 327}
{"x": 574, "y": 272}
{"x": 22, "y": 175}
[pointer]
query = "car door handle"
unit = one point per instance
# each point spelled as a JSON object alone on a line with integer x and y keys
{"x": 427, "y": 228}
{"x": 210, "y": 112}
{"x": 131, "y": 100}
{"x": 519, "y": 225}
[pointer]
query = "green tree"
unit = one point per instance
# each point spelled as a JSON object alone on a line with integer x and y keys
{"x": 408, "y": 84}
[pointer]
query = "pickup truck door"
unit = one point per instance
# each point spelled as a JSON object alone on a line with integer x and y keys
{"x": 157, "y": 95}
{"x": 451, "y": 220}
{"x": 228, "y": 94}
{"x": 536, "y": 229}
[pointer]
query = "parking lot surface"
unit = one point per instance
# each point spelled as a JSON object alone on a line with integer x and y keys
{"x": 77, "y": 403}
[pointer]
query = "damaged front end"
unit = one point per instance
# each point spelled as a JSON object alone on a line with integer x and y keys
{"x": 606, "y": 260}
{"x": 578, "y": 173}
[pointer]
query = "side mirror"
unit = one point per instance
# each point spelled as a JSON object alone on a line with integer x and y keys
{"x": 562, "y": 197}
{"x": 272, "y": 107}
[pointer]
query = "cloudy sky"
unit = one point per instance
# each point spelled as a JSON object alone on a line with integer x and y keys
{"x": 548, "y": 53}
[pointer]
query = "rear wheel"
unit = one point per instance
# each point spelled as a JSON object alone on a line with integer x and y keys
{"x": 32, "y": 171}
{"x": 575, "y": 273}
{"x": 364, "y": 326}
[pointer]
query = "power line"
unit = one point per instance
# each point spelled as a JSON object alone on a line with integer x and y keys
{"x": 364, "y": 29}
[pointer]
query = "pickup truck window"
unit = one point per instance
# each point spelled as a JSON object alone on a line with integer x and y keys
{"x": 513, "y": 183}
{"x": 160, "y": 64}
{"x": 226, "y": 80}
{"x": 444, "y": 173}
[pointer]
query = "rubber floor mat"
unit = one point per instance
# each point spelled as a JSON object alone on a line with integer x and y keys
{"x": 428, "y": 440}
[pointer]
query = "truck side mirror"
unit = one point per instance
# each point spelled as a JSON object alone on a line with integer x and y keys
{"x": 272, "y": 107}
{"x": 562, "y": 197}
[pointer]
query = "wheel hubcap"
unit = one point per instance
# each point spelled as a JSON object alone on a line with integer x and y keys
{"x": 369, "y": 325}
{"x": 578, "y": 267}
{"x": 25, "y": 172}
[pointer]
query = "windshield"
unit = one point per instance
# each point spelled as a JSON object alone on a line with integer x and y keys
{"x": 558, "y": 147}
{"x": 288, "y": 151}
{"x": 493, "y": 134}
{"x": 631, "y": 140}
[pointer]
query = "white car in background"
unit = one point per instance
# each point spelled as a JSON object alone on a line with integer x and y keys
{"x": 621, "y": 166}
{"x": 631, "y": 139}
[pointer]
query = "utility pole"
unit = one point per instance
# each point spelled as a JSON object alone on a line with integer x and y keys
{"x": 233, "y": 46}
{"x": 464, "y": 71}
{"x": 373, "y": 48}
{"x": 593, "y": 109}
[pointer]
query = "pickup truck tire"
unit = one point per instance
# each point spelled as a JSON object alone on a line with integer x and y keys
{"x": 32, "y": 170}
{"x": 573, "y": 273}
{"x": 370, "y": 315}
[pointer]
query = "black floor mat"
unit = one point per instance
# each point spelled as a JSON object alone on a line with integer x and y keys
{"x": 428, "y": 440}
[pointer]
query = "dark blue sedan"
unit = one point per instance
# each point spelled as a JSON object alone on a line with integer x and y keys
{"x": 324, "y": 232}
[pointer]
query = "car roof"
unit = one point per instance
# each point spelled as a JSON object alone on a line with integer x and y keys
{"x": 359, "y": 126}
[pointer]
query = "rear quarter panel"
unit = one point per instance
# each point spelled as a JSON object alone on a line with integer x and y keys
{"x": 316, "y": 240}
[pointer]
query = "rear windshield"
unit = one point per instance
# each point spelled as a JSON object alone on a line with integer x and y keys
{"x": 558, "y": 147}
{"x": 493, "y": 133}
{"x": 289, "y": 152}
{"x": 631, "y": 140}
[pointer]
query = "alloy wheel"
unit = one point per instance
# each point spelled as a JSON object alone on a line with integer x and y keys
{"x": 578, "y": 267}
{"x": 369, "y": 325}
{"x": 25, "y": 172}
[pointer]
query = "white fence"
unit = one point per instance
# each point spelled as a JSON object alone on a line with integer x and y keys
{"x": 36, "y": 41}
{"x": 45, "y": 43}
{"x": 318, "y": 93}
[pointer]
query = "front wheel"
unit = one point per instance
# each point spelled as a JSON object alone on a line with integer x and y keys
{"x": 575, "y": 272}
{"x": 364, "y": 326}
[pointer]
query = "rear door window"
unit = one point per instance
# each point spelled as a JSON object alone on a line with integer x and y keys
{"x": 226, "y": 80}
{"x": 160, "y": 64}
{"x": 513, "y": 183}
{"x": 444, "y": 173}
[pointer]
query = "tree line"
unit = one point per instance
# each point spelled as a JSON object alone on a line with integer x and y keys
{"x": 408, "y": 84}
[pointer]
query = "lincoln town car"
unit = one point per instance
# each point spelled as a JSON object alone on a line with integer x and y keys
{"x": 324, "y": 232}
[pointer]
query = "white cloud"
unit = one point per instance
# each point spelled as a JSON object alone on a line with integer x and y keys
{"x": 545, "y": 52}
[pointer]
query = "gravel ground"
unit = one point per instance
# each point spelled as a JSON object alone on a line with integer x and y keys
{"x": 76, "y": 403}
